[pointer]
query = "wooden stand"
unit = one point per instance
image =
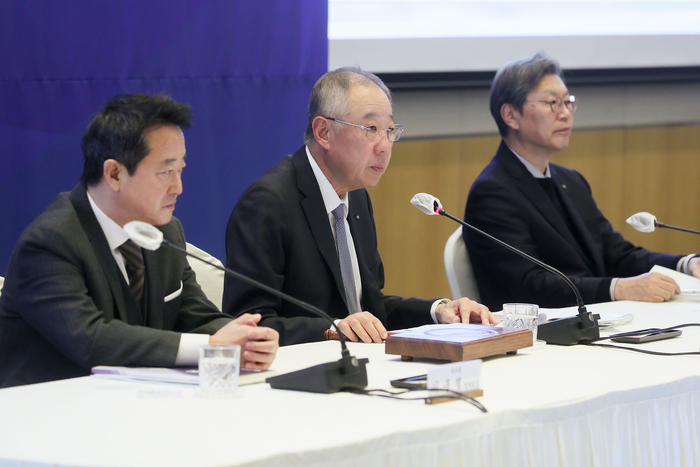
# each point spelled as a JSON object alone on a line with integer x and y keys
{"x": 456, "y": 342}
{"x": 440, "y": 400}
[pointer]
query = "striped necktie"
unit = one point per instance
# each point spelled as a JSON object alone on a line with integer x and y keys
{"x": 135, "y": 269}
{"x": 341, "y": 240}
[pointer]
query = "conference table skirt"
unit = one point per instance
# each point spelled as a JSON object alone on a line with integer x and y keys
{"x": 572, "y": 406}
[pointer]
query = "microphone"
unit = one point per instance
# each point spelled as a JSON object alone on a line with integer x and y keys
{"x": 346, "y": 373}
{"x": 645, "y": 222}
{"x": 564, "y": 331}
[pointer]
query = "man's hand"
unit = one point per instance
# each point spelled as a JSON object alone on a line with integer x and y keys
{"x": 464, "y": 311}
{"x": 694, "y": 266}
{"x": 363, "y": 326}
{"x": 649, "y": 287}
{"x": 258, "y": 344}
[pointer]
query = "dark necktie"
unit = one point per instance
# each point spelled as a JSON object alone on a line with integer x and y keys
{"x": 341, "y": 240}
{"x": 135, "y": 269}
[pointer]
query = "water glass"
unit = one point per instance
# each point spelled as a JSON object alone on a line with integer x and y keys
{"x": 521, "y": 316}
{"x": 218, "y": 369}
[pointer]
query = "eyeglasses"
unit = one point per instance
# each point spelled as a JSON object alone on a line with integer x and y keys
{"x": 557, "y": 104}
{"x": 393, "y": 132}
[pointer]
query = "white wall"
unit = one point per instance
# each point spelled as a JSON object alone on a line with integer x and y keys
{"x": 450, "y": 113}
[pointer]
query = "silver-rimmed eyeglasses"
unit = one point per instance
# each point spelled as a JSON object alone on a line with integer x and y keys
{"x": 557, "y": 103}
{"x": 393, "y": 132}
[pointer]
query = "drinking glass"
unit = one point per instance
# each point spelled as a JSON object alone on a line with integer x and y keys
{"x": 521, "y": 316}
{"x": 218, "y": 369}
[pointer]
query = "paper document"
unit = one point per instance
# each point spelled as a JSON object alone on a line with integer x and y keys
{"x": 182, "y": 375}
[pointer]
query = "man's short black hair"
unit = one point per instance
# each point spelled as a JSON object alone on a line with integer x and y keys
{"x": 118, "y": 131}
{"x": 514, "y": 81}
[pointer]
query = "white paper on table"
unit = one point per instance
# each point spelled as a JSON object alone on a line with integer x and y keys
{"x": 182, "y": 375}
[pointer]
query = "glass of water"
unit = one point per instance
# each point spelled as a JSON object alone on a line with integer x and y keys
{"x": 218, "y": 369}
{"x": 521, "y": 316}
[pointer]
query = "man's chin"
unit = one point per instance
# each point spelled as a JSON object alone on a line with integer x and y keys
{"x": 373, "y": 180}
{"x": 562, "y": 144}
{"x": 162, "y": 219}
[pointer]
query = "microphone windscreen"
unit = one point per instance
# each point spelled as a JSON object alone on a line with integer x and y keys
{"x": 426, "y": 203}
{"x": 144, "y": 235}
{"x": 643, "y": 222}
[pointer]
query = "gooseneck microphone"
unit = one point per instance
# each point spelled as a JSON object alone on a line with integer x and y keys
{"x": 564, "y": 331}
{"x": 645, "y": 222}
{"x": 346, "y": 373}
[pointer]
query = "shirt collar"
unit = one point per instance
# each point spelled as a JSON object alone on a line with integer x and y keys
{"x": 532, "y": 169}
{"x": 115, "y": 234}
{"x": 330, "y": 197}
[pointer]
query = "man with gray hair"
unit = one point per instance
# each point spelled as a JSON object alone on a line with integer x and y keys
{"x": 306, "y": 226}
{"x": 547, "y": 210}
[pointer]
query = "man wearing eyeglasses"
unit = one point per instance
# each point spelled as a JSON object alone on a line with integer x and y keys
{"x": 547, "y": 210}
{"x": 306, "y": 227}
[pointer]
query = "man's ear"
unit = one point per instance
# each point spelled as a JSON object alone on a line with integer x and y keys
{"x": 113, "y": 173}
{"x": 509, "y": 114}
{"x": 321, "y": 128}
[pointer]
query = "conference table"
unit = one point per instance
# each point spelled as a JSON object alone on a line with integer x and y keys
{"x": 550, "y": 406}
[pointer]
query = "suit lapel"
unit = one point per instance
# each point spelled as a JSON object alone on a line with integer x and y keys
{"x": 125, "y": 304}
{"x": 593, "y": 257}
{"x": 529, "y": 187}
{"x": 315, "y": 212}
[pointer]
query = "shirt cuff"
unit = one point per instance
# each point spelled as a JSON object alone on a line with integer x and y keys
{"x": 188, "y": 352}
{"x": 682, "y": 265}
{"x": 613, "y": 283}
{"x": 434, "y": 307}
{"x": 335, "y": 321}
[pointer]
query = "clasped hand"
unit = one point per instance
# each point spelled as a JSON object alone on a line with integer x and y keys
{"x": 258, "y": 344}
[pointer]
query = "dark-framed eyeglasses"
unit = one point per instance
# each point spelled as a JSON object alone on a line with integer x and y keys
{"x": 557, "y": 103}
{"x": 393, "y": 132}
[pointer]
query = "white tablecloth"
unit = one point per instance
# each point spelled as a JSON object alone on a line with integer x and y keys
{"x": 555, "y": 406}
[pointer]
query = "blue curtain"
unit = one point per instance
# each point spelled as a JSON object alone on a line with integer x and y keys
{"x": 246, "y": 68}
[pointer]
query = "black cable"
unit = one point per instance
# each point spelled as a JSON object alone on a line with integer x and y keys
{"x": 650, "y": 352}
{"x": 396, "y": 395}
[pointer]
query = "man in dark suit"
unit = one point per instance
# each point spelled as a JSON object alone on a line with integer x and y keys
{"x": 306, "y": 227}
{"x": 547, "y": 210}
{"x": 78, "y": 294}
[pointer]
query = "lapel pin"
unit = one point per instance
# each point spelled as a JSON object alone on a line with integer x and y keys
{"x": 563, "y": 186}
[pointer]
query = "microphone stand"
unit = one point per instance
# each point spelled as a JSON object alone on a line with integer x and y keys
{"x": 664, "y": 226}
{"x": 564, "y": 331}
{"x": 346, "y": 373}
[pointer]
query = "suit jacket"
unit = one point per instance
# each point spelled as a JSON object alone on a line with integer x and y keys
{"x": 66, "y": 306}
{"x": 508, "y": 202}
{"x": 279, "y": 234}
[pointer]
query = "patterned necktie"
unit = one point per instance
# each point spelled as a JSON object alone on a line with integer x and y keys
{"x": 135, "y": 269}
{"x": 341, "y": 240}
